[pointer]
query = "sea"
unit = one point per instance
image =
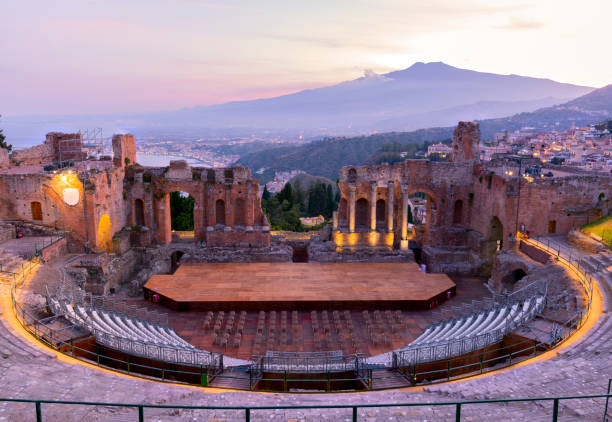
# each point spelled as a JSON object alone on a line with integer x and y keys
{"x": 162, "y": 160}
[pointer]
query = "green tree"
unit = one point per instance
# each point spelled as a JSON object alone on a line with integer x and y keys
{"x": 286, "y": 194}
{"x": 266, "y": 194}
{"x": 299, "y": 196}
{"x": 181, "y": 211}
{"x": 282, "y": 215}
{"x": 330, "y": 205}
{"x": 3, "y": 143}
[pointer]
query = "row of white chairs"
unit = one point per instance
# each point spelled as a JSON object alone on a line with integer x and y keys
{"x": 480, "y": 322}
{"x": 118, "y": 325}
{"x": 500, "y": 320}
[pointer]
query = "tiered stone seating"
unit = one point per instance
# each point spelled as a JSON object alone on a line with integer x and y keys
{"x": 9, "y": 263}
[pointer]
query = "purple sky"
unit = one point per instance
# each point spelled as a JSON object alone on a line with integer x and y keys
{"x": 78, "y": 56}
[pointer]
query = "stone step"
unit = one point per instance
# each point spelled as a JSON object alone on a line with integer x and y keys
{"x": 13, "y": 345}
{"x": 239, "y": 381}
{"x": 606, "y": 259}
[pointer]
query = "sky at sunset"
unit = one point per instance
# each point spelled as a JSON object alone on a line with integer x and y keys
{"x": 78, "y": 56}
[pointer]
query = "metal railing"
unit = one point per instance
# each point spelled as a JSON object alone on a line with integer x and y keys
{"x": 440, "y": 350}
{"x": 454, "y": 368}
{"x": 121, "y": 306}
{"x": 564, "y": 255}
{"x": 157, "y": 351}
{"x": 249, "y": 411}
{"x": 17, "y": 277}
{"x": 309, "y": 362}
{"x": 50, "y": 240}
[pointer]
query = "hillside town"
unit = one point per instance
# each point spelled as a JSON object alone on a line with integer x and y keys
{"x": 589, "y": 147}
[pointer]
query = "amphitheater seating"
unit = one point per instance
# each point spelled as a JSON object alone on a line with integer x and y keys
{"x": 137, "y": 336}
{"x": 118, "y": 325}
{"x": 479, "y": 323}
{"x": 500, "y": 319}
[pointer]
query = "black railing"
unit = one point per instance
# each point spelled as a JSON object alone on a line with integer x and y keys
{"x": 248, "y": 411}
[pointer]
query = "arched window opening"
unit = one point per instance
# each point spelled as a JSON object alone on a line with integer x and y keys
{"x": 220, "y": 212}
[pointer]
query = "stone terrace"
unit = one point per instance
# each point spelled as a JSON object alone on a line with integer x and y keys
{"x": 26, "y": 371}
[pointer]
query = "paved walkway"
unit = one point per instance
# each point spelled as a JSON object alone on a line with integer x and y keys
{"x": 27, "y": 371}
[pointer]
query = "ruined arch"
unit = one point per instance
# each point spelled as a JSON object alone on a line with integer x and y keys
{"x": 512, "y": 277}
{"x": 139, "y": 219}
{"x": 220, "y": 212}
{"x": 458, "y": 212}
{"x": 36, "y": 209}
{"x": 182, "y": 206}
{"x": 105, "y": 234}
{"x": 352, "y": 175}
{"x": 361, "y": 213}
{"x": 431, "y": 207}
{"x": 381, "y": 214}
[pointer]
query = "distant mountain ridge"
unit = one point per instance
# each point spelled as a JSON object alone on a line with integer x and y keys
{"x": 396, "y": 100}
{"x": 421, "y": 96}
{"x": 327, "y": 156}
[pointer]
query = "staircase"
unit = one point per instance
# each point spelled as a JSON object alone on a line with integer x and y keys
{"x": 12, "y": 346}
{"x": 597, "y": 342}
{"x": 9, "y": 264}
{"x": 388, "y": 378}
{"x": 234, "y": 378}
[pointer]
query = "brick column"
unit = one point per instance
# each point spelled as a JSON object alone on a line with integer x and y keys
{"x": 351, "y": 208}
{"x": 164, "y": 231}
{"x": 228, "y": 208}
{"x": 405, "y": 205}
{"x": 373, "y": 206}
{"x": 250, "y": 214}
{"x": 390, "y": 192}
{"x": 211, "y": 205}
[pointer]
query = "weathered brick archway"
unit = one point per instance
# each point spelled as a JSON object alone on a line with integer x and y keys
{"x": 227, "y": 208}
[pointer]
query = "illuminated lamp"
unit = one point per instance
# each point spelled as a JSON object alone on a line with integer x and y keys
{"x": 70, "y": 196}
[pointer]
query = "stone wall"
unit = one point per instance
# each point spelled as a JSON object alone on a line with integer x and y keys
{"x": 55, "y": 250}
{"x": 5, "y": 162}
{"x": 505, "y": 264}
{"x": 36, "y": 155}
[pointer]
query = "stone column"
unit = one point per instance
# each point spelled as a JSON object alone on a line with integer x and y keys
{"x": 335, "y": 220}
{"x": 405, "y": 204}
{"x": 390, "y": 192}
{"x": 351, "y": 208}
{"x": 373, "y": 206}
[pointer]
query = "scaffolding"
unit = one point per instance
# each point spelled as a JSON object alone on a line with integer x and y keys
{"x": 87, "y": 144}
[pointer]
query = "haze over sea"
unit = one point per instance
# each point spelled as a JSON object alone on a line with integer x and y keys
{"x": 161, "y": 160}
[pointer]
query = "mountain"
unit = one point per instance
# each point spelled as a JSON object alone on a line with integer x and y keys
{"x": 585, "y": 110}
{"x": 423, "y": 95}
{"x": 416, "y": 97}
{"x": 327, "y": 156}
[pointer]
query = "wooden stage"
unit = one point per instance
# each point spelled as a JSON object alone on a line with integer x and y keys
{"x": 299, "y": 286}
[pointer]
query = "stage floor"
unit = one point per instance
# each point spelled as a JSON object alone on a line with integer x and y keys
{"x": 301, "y": 286}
